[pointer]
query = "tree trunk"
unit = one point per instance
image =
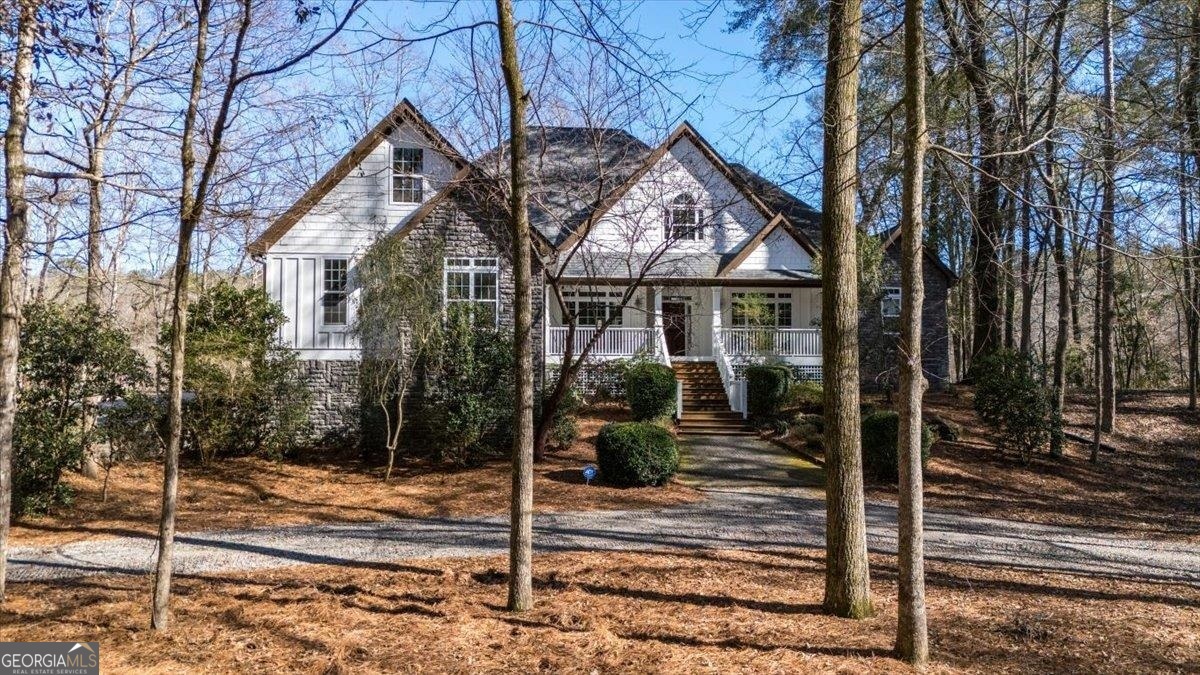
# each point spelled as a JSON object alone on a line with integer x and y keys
{"x": 12, "y": 270}
{"x": 188, "y": 217}
{"x": 95, "y": 269}
{"x": 1106, "y": 242}
{"x": 1058, "y": 217}
{"x": 847, "y": 578}
{"x": 1188, "y": 244}
{"x": 912, "y": 638}
{"x": 520, "y": 574}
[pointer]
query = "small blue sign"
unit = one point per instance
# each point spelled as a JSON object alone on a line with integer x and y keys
{"x": 589, "y": 473}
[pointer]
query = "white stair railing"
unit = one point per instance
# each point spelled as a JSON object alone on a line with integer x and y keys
{"x": 735, "y": 389}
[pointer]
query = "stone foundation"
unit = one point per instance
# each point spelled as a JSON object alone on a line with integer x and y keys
{"x": 336, "y": 410}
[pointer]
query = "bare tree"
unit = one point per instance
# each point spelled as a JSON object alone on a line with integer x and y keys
{"x": 1106, "y": 242}
{"x": 194, "y": 195}
{"x": 520, "y": 557}
{"x": 912, "y": 638}
{"x": 847, "y": 578}
{"x": 12, "y": 270}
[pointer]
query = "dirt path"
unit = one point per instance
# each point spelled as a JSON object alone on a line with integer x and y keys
{"x": 770, "y": 512}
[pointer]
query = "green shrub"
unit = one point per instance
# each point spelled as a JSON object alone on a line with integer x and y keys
{"x": 881, "y": 456}
{"x": 464, "y": 395}
{"x": 650, "y": 390}
{"x": 248, "y": 394}
{"x": 564, "y": 429}
{"x": 636, "y": 453}
{"x": 72, "y": 361}
{"x": 944, "y": 428}
{"x": 1010, "y": 399}
{"x": 766, "y": 390}
{"x": 806, "y": 396}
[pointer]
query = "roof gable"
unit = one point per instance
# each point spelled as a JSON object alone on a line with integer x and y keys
{"x": 404, "y": 113}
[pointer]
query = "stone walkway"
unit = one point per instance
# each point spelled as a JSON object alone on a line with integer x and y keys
{"x": 752, "y": 502}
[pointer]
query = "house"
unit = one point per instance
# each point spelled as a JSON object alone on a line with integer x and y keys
{"x": 689, "y": 259}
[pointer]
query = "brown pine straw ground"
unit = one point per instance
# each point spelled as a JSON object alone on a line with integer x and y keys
{"x": 658, "y": 612}
{"x": 329, "y": 487}
{"x": 1151, "y": 488}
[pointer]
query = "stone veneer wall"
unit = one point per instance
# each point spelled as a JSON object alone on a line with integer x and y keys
{"x": 336, "y": 409}
{"x": 878, "y": 337}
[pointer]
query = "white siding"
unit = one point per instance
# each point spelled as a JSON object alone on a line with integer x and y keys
{"x": 342, "y": 225}
{"x": 779, "y": 251}
{"x": 636, "y": 221}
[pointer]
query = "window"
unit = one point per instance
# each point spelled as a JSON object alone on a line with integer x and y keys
{"x": 684, "y": 219}
{"x": 592, "y": 308}
{"x": 889, "y": 305}
{"x": 471, "y": 284}
{"x": 407, "y": 166}
{"x": 333, "y": 299}
{"x": 762, "y": 309}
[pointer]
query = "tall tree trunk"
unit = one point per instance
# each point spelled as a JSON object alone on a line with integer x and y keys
{"x": 1058, "y": 217}
{"x": 912, "y": 638}
{"x": 847, "y": 578}
{"x": 12, "y": 269}
{"x": 520, "y": 558}
{"x": 95, "y": 268}
{"x": 1028, "y": 273}
{"x": 189, "y": 215}
{"x": 1106, "y": 242}
{"x": 1189, "y": 244}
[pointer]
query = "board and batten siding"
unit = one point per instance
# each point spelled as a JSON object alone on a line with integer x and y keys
{"x": 343, "y": 224}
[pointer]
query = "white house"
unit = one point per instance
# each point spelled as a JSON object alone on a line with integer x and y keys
{"x": 686, "y": 257}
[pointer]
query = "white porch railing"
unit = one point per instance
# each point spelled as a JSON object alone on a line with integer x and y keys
{"x": 772, "y": 341}
{"x": 615, "y": 341}
{"x": 735, "y": 389}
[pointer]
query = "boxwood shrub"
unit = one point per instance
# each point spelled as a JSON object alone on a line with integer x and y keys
{"x": 650, "y": 390}
{"x": 766, "y": 390}
{"x": 881, "y": 457}
{"x": 636, "y": 454}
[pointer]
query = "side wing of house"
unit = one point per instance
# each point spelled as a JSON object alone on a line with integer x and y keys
{"x": 309, "y": 253}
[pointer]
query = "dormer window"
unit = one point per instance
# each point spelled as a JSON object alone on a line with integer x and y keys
{"x": 684, "y": 219}
{"x": 408, "y": 165}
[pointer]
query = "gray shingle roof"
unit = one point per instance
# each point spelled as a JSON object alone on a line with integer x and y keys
{"x": 803, "y": 216}
{"x": 572, "y": 168}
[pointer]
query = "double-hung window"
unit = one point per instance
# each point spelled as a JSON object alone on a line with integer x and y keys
{"x": 334, "y": 282}
{"x": 592, "y": 308}
{"x": 762, "y": 310}
{"x": 471, "y": 284}
{"x": 408, "y": 165}
{"x": 685, "y": 219}
{"x": 889, "y": 304}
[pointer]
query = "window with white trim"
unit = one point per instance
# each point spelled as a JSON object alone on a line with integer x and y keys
{"x": 408, "y": 165}
{"x": 592, "y": 308}
{"x": 334, "y": 282}
{"x": 761, "y": 310}
{"x": 473, "y": 283}
{"x": 685, "y": 219}
{"x": 889, "y": 304}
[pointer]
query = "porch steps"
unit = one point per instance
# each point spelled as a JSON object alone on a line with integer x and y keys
{"x": 705, "y": 406}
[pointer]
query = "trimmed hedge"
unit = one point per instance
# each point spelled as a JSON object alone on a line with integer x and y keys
{"x": 650, "y": 390}
{"x": 881, "y": 457}
{"x": 766, "y": 390}
{"x": 636, "y": 454}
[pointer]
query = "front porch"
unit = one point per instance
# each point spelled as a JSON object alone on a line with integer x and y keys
{"x": 733, "y": 326}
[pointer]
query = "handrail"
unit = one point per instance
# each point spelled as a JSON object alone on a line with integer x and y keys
{"x": 746, "y": 341}
{"x": 614, "y": 341}
{"x": 735, "y": 389}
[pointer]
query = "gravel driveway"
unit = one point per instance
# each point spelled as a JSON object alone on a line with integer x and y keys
{"x": 751, "y": 503}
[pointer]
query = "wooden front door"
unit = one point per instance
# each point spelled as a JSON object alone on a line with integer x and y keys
{"x": 675, "y": 327}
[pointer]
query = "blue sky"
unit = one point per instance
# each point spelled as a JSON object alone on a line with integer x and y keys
{"x": 736, "y": 106}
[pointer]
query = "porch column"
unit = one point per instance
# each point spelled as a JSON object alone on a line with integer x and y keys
{"x": 716, "y": 319}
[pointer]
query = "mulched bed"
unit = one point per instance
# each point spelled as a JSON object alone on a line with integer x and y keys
{"x": 331, "y": 487}
{"x": 666, "y": 611}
